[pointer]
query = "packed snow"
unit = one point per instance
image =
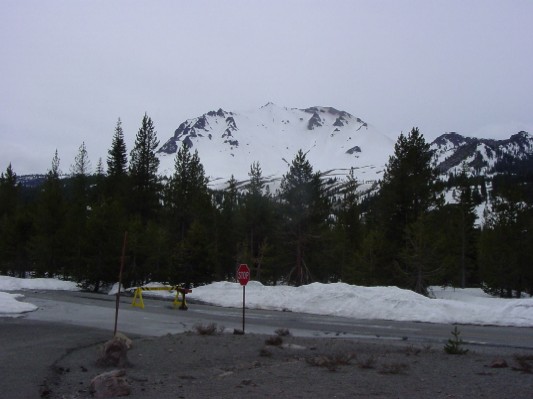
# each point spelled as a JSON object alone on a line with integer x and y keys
{"x": 448, "y": 305}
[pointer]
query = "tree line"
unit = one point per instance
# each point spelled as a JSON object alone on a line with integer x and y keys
{"x": 180, "y": 231}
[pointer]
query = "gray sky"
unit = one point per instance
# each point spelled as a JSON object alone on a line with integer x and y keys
{"x": 69, "y": 69}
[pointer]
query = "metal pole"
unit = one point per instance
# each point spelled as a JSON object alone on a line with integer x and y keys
{"x": 120, "y": 280}
{"x": 243, "y": 307}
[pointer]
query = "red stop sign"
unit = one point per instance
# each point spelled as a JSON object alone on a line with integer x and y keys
{"x": 243, "y": 274}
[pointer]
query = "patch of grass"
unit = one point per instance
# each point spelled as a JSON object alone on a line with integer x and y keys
{"x": 265, "y": 353}
{"x": 330, "y": 362}
{"x": 412, "y": 351}
{"x": 283, "y": 332}
{"x": 275, "y": 340}
{"x": 394, "y": 368}
{"x": 524, "y": 363}
{"x": 368, "y": 363}
{"x": 208, "y": 329}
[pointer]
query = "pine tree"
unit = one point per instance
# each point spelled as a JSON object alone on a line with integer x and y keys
{"x": 466, "y": 220}
{"x": 117, "y": 159}
{"x": 78, "y": 212}
{"x": 48, "y": 243}
{"x": 305, "y": 210}
{"x": 143, "y": 171}
{"x": 349, "y": 230}
{"x": 259, "y": 220}
{"x": 229, "y": 230}
{"x": 505, "y": 249}
{"x": 187, "y": 204}
{"x": 82, "y": 164}
{"x": 187, "y": 195}
{"x": 8, "y": 191}
{"x": 407, "y": 192}
{"x": 9, "y": 207}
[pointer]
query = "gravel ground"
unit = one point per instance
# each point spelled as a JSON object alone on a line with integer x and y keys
{"x": 243, "y": 366}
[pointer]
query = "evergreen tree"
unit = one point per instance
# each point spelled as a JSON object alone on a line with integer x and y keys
{"x": 229, "y": 229}
{"x": 407, "y": 192}
{"x": 12, "y": 235}
{"x": 82, "y": 164}
{"x": 48, "y": 243}
{"x": 465, "y": 228}
{"x": 78, "y": 212}
{"x": 187, "y": 196}
{"x": 260, "y": 221}
{"x": 306, "y": 209}
{"x": 349, "y": 230}
{"x": 188, "y": 203}
{"x": 117, "y": 159}
{"x": 421, "y": 258}
{"x": 8, "y": 191}
{"x": 505, "y": 249}
{"x": 143, "y": 171}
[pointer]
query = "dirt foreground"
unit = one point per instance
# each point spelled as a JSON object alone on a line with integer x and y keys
{"x": 225, "y": 365}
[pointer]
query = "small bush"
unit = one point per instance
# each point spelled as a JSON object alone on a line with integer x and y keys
{"x": 394, "y": 368}
{"x": 276, "y": 340}
{"x": 525, "y": 363}
{"x": 208, "y": 329}
{"x": 330, "y": 362}
{"x": 283, "y": 332}
{"x": 368, "y": 363}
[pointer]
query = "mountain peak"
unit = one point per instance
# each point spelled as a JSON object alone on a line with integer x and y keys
{"x": 228, "y": 143}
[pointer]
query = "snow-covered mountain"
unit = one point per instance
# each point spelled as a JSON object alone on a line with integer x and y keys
{"x": 334, "y": 141}
{"x": 482, "y": 156}
{"x": 229, "y": 142}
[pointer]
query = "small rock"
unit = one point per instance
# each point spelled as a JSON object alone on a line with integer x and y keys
{"x": 125, "y": 339}
{"x": 110, "y": 385}
{"x": 498, "y": 364}
{"x": 114, "y": 353}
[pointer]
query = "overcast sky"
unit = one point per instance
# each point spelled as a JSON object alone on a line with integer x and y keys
{"x": 69, "y": 69}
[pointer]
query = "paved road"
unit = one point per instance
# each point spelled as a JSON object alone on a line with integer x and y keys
{"x": 29, "y": 350}
{"x": 159, "y": 318}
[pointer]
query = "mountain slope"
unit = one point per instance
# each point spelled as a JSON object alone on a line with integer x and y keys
{"x": 482, "y": 156}
{"x": 229, "y": 142}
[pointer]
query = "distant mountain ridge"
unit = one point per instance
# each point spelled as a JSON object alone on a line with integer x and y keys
{"x": 335, "y": 141}
{"x": 481, "y": 156}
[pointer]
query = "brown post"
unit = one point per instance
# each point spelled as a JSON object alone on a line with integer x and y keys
{"x": 120, "y": 280}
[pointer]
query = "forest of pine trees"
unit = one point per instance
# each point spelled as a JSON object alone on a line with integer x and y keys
{"x": 179, "y": 231}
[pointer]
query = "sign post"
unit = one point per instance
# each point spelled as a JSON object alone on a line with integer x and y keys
{"x": 243, "y": 276}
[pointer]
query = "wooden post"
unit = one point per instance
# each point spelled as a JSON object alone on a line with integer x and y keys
{"x": 120, "y": 280}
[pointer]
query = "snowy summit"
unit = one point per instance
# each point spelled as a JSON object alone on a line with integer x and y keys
{"x": 228, "y": 143}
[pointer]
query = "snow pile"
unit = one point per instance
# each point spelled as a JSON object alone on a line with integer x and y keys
{"x": 463, "y": 306}
{"x": 469, "y": 306}
{"x": 15, "y": 284}
{"x": 9, "y": 306}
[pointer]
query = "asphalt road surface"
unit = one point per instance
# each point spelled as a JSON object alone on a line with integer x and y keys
{"x": 159, "y": 318}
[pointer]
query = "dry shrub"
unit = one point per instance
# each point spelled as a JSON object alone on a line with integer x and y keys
{"x": 275, "y": 340}
{"x": 394, "y": 368}
{"x": 330, "y": 362}
{"x": 208, "y": 329}
{"x": 283, "y": 332}
{"x": 368, "y": 363}
{"x": 525, "y": 363}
